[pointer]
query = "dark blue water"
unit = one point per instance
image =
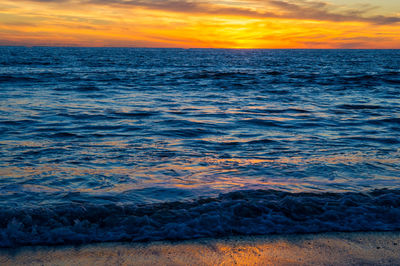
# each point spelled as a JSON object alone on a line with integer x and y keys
{"x": 104, "y": 144}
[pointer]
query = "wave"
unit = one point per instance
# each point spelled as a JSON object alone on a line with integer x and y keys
{"x": 218, "y": 74}
{"x": 250, "y": 212}
{"x": 359, "y": 106}
{"x": 12, "y": 78}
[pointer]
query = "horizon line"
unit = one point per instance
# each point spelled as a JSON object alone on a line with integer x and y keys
{"x": 191, "y": 48}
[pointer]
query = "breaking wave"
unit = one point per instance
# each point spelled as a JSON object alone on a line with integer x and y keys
{"x": 249, "y": 212}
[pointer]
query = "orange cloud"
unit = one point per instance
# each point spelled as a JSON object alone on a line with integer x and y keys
{"x": 182, "y": 23}
{"x": 314, "y": 10}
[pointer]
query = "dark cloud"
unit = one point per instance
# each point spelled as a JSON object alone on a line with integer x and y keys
{"x": 49, "y": 1}
{"x": 383, "y": 20}
{"x": 19, "y": 24}
{"x": 184, "y": 6}
{"x": 313, "y": 10}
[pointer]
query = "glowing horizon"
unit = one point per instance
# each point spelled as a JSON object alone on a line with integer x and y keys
{"x": 201, "y": 24}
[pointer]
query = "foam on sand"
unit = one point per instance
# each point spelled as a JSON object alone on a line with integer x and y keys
{"x": 371, "y": 248}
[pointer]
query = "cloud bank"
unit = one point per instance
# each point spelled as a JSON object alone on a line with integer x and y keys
{"x": 304, "y": 10}
{"x": 200, "y": 23}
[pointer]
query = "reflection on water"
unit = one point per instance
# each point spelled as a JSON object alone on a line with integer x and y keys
{"x": 196, "y": 122}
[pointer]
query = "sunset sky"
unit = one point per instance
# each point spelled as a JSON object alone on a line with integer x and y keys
{"x": 202, "y": 23}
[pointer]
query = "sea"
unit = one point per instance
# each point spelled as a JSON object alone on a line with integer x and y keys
{"x": 142, "y": 144}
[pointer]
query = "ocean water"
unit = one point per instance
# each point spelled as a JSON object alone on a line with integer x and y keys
{"x": 111, "y": 144}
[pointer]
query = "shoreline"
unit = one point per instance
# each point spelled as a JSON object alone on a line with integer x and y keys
{"x": 354, "y": 248}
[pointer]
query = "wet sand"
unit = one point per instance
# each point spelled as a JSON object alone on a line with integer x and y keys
{"x": 366, "y": 248}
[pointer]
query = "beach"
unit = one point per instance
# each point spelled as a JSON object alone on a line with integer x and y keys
{"x": 356, "y": 248}
{"x": 137, "y": 156}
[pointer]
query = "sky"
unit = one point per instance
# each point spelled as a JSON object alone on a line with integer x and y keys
{"x": 202, "y": 23}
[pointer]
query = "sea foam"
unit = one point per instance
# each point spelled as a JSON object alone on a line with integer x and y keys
{"x": 250, "y": 212}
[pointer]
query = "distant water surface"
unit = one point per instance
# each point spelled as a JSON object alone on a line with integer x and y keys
{"x": 116, "y": 127}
